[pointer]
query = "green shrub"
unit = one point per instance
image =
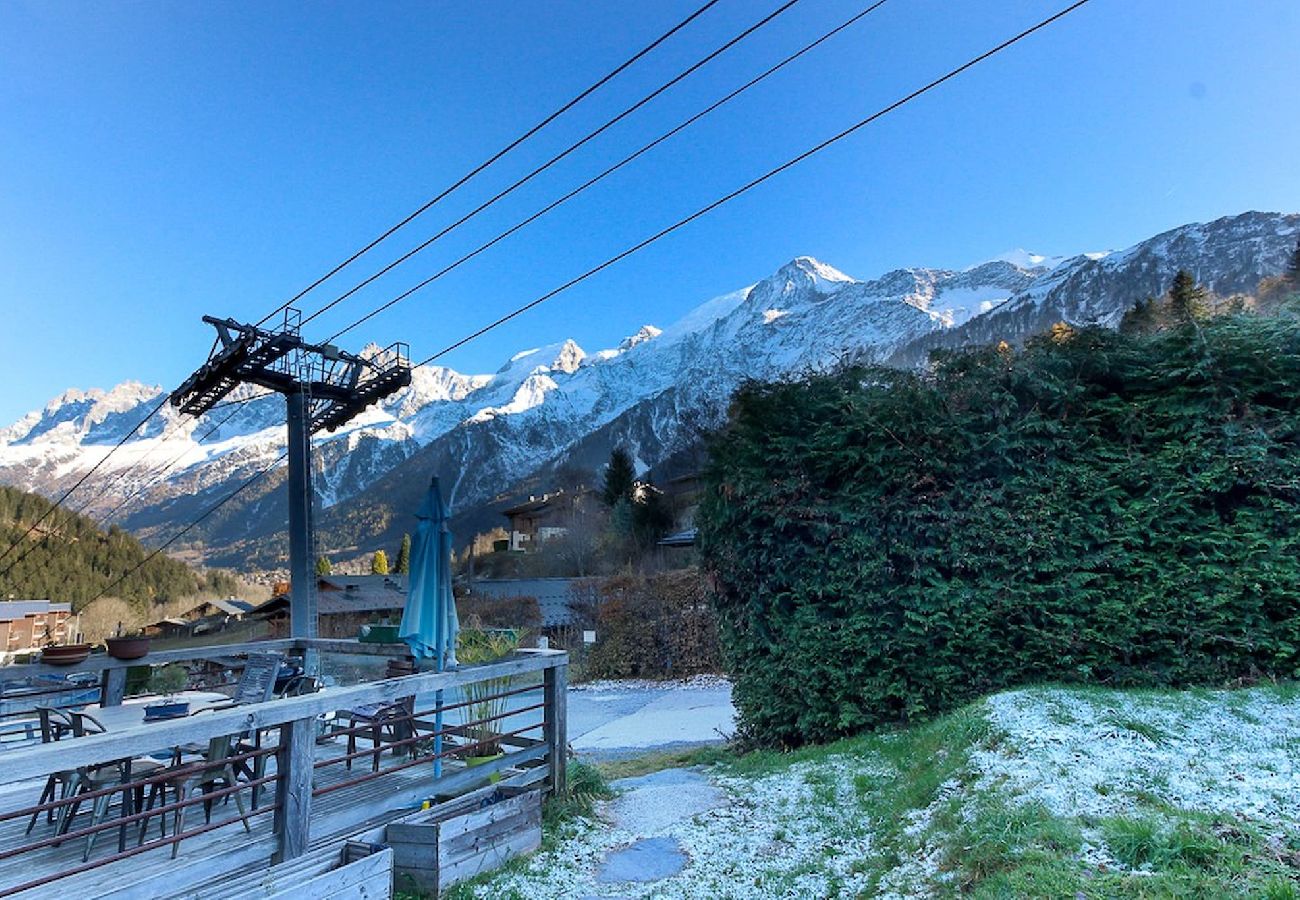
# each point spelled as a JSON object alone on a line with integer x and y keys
{"x": 1094, "y": 507}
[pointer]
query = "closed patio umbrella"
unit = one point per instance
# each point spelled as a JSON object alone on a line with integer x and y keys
{"x": 429, "y": 621}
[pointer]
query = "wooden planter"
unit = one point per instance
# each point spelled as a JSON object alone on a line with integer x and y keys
{"x": 357, "y": 872}
{"x": 437, "y": 847}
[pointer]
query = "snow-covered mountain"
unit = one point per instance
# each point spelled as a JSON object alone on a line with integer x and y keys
{"x": 559, "y": 407}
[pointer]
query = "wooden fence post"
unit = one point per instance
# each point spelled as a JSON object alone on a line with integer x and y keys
{"x": 113, "y": 687}
{"x": 555, "y": 682}
{"x": 293, "y": 787}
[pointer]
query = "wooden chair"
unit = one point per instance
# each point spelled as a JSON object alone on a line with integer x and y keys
{"x": 211, "y": 773}
{"x": 389, "y": 722}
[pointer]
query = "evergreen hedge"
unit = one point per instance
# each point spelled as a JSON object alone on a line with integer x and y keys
{"x": 1094, "y": 507}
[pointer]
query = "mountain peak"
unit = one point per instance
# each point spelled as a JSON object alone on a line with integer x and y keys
{"x": 801, "y": 275}
{"x": 823, "y": 278}
{"x": 569, "y": 357}
{"x": 643, "y": 334}
{"x": 1023, "y": 259}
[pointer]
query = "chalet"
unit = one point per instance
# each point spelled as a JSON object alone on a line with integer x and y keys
{"x": 343, "y": 604}
{"x": 231, "y": 607}
{"x": 208, "y": 617}
{"x": 539, "y": 519}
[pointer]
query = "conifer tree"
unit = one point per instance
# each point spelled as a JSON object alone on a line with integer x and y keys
{"x": 620, "y": 478}
{"x": 323, "y": 566}
{"x": 379, "y": 563}
{"x": 1142, "y": 318}
{"x": 1187, "y": 299}
{"x": 403, "y": 566}
{"x": 1292, "y": 274}
{"x": 651, "y": 517}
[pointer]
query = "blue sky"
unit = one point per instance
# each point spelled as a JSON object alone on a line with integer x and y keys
{"x": 163, "y": 160}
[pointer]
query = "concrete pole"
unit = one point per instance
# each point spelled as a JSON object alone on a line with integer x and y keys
{"x": 302, "y": 568}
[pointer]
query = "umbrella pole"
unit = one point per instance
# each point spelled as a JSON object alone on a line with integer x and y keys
{"x": 437, "y": 701}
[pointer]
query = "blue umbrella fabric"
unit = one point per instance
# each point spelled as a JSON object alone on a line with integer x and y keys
{"x": 429, "y": 622}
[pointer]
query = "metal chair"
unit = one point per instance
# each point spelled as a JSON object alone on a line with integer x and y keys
{"x": 214, "y": 769}
{"x": 389, "y": 723}
{"x": 126, "y": 773}
{"x": 55, "y": 724}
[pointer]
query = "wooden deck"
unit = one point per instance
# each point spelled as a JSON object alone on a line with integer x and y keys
{"x": 357, "y": 810}
{"x": 318, "y": 809}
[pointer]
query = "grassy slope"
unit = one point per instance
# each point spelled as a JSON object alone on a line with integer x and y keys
{"x": 931, "y": 811}
{"x": 982, "y": 841}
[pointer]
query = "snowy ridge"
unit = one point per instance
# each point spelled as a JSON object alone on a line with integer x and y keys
{"x": 558, "y": 404}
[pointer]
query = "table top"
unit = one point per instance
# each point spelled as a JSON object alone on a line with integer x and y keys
{"x": 132, "y": 711}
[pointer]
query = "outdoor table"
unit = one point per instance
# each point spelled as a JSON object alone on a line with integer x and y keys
{"x": 131, "y": 713}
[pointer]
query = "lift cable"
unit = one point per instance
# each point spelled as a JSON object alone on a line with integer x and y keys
{"x": 492, "y": 159}
{"x": 555, "y": 159}
{"x": 757, "y": 181}
{"x": 611, "y": 170}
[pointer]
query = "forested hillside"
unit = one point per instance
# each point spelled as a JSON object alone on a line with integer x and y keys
{"x": 68, "y": 558}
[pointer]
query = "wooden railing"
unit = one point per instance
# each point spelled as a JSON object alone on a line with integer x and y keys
{"x": 304, "y": 768}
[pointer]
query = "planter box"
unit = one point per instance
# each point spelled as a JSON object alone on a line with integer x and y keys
{"x": 353, "y": 872}
{"x": 437, "y": 847}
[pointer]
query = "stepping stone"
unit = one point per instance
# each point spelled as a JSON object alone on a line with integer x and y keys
{"x": 649, "y": 859}
{"x": 651, "y": 803}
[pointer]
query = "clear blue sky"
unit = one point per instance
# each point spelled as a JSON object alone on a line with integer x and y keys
{"x": 162, "y": 160}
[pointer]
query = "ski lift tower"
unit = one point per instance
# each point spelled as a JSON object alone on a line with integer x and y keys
{"x": 323, "y": 386}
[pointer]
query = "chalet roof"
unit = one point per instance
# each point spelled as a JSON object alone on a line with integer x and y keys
{"x": 546, "y": 501}
{"x": 343, "y": 602}
{"x": 390, "y": 582}
{"x": 20, "y": 609}
{"x": 360, "y": 593}
{"x": 554, "y": 595}
{"x": 231, "y": 606}
{"x": 684, "y": 538}
{"x": 533, "y": 505}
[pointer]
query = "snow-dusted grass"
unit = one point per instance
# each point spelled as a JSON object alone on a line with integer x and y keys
{"x": 795, "y": 833}
{"x": 1043, "y": 792}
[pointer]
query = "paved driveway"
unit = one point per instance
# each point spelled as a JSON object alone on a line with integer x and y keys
{"x": 613, "y": 718}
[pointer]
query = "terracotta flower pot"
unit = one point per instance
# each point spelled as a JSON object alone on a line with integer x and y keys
{"x": 128, "y": 647}
{"x": 65, "y": 655}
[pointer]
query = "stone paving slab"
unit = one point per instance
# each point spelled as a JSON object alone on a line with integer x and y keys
{"x": 649, "y": 859}
{"x": 650, "y": 803}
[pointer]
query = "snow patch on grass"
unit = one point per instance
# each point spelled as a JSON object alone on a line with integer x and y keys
{"x": 1094, "y": 753}
{"x": 797, "y": 833}
{"x": 625, "y": 685}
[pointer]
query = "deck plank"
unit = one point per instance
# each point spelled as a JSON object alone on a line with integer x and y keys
{"x": 391, "y": 794}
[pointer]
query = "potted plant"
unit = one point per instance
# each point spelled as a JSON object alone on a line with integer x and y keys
{"x": 168, "y": 681}
{"x": 127, "y": 646}
{"x": 484, "y": 707}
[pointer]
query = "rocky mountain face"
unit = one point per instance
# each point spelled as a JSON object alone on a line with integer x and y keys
{"x": 551, "y": 414}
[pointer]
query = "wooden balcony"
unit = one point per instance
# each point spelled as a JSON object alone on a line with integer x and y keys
{"x": 310, "y": 799}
